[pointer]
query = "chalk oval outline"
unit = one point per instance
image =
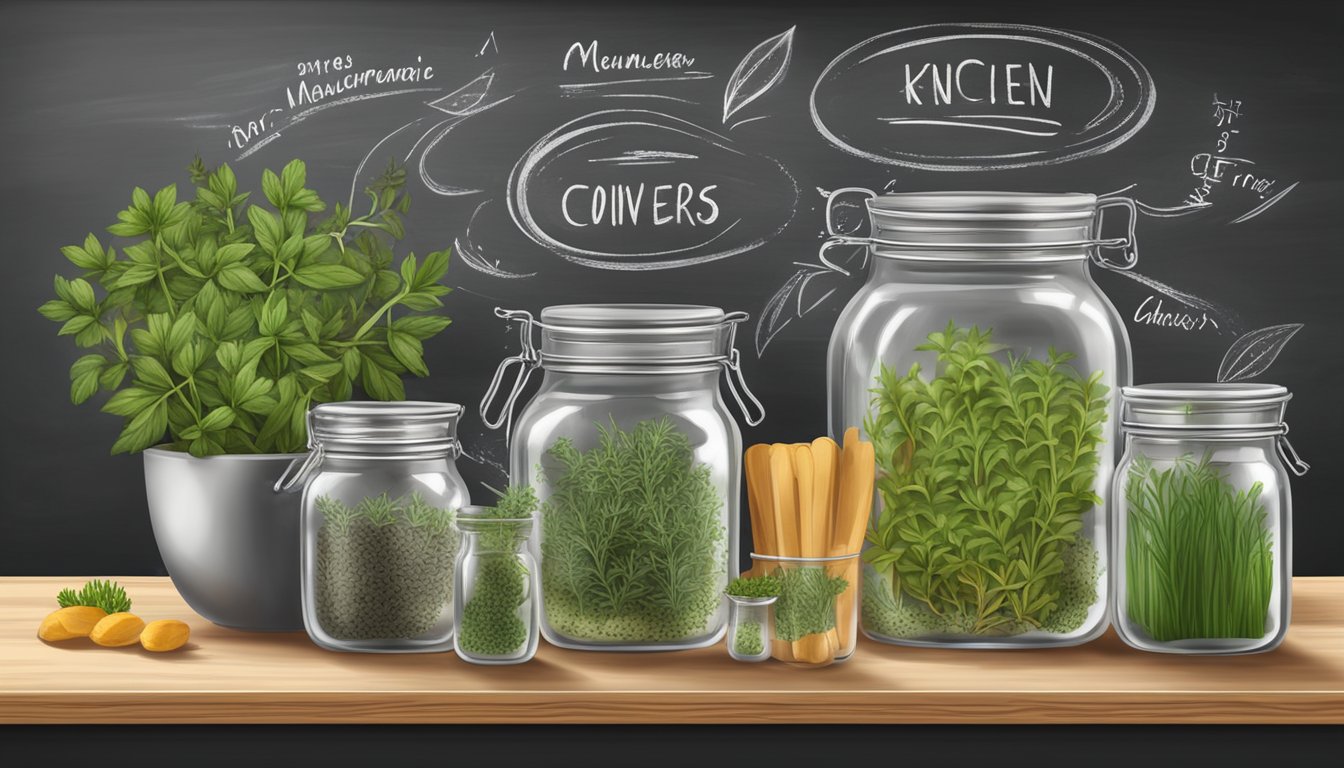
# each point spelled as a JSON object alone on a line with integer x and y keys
{"x": 1138, "y": 116}
{"x": 542, "y": 153}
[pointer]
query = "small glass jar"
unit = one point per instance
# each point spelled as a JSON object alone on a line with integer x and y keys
{"x": 637, "y": 464}
{"x": 495, "y": 604}
{"x": 1203, "y": 534}
{"x": 815, "y": 618}
{"x": 749, "y": 631}
{"x": 978, "y": 344}
{"x": 380, "y": 491}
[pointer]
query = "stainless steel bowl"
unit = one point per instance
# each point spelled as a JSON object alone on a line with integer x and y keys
{"x": 231, "y": 544}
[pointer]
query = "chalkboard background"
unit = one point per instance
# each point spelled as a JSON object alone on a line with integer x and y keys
{"x": 101, "y": 97}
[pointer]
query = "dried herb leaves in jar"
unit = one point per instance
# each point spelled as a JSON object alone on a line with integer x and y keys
{"x": 986, "y": 470}
{"x": 384, "y": 567}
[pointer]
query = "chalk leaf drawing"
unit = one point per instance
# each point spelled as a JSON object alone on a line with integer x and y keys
{"x": 1252, "y": 354}
{"x": 462, "y": 101}
{"x": 631, "y": 189}
{"x": 758, "y": 72}
{"x": 980, "y": 97}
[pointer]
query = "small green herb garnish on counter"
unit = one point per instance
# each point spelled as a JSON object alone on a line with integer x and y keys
{"x": 755, "y": 586}
{"x": 107, "y": 595}
{"x": 490, "y": 623}
{"x": 633, "y": 543}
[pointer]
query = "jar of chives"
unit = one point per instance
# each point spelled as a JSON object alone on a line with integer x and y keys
{"x": 1203, "y": 518}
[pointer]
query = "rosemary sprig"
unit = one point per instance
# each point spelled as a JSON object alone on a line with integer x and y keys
{"x": 107, "y": 595}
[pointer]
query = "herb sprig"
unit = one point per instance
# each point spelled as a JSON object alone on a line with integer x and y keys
{"x": 986, "y": 471}
{"x": 230, "y": 318}
{"x": 107, "y": 595}
{"x": 633, "y": 542}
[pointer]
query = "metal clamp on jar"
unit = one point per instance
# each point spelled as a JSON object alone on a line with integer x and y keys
{"x": 636, "y": 461}
{"x": 380, "y": 494}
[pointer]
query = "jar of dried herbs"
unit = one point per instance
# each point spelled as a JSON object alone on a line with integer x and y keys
{"x": 495, "y": 599}
{"x": 1203, "y": 545}
{"x": 635, "y": 460}
{"x": 981, "y": 360}
{"x": 380, "y": 490}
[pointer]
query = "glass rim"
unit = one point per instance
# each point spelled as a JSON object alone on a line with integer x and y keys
{"x": 785, "y": 559}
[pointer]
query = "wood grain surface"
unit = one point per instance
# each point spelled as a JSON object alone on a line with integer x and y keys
{"x": 225, "y": 676}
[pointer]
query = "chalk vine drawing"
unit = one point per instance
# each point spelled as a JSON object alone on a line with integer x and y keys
{"x": 459, "y": 105}
{"x": 472, "y": 254}
{"x": 759, "y": 71}
{"x": 632, "y": 137}
{"x": 848, "y": 114}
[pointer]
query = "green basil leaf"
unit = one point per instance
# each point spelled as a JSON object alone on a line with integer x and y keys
{"x": 327, "y": 276}
{"x": 144, "y": 430}
{"x": 218, "y": 419}
{"x": 265, "y": 228}
{"x": 152, "y": 373}
{"x": 237, "y": 277}
{"x": 271, "y": 188}
{"x": 130, "y": 401}
{"x": 421, "y": 326}
{"x": 409, "y": 351}
{"x": 380, "y": 383}
{"x": 57, "y": 310}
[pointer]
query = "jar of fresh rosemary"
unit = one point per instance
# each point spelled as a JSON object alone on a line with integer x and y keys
{"x": 636, "y": 463}
{"x": 983, "y": 362}
{"x": 380, "y": 491}
{"x": 1203, "y": 543}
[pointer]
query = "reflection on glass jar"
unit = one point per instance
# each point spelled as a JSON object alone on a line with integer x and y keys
{"x": 634, "y": 457}
{"x": 983, "y": 361}
{"x": 379, "y": 501}
{"x": 1203, "y": 519}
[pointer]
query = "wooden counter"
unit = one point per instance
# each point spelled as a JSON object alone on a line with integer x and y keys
{"x": 224, "y": 676}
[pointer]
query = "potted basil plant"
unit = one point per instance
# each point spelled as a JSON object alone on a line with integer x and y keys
{"x": 217, "y": 325}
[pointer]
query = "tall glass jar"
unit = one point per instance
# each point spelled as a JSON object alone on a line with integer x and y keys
{"x": 983, "y": 362}
{"x": 495, "y": 601}
{"x": 380, "y": 492}
{"x": 1203, "y": 536}
{"x": 636, "y": 461}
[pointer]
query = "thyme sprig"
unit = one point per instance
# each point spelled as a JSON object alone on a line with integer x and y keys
{"x": 985, "y": 472}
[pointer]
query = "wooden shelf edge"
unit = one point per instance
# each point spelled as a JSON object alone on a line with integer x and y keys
{"x": 683, "y": 708}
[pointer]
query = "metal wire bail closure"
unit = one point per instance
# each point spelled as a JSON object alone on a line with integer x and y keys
{"x": 835, "y": 236}
{"x": 527, "y": 360}
{"x": 292, "y": 477}
{"x": 1289, "y": 454}
{"x": 530, "y": 358}
{"x": 1128, "y": 247}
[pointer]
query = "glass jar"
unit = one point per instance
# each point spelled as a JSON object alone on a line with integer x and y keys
{"x": 983, "y": 362}
{"x": 815, "y": 620}
{"x": 636, "y": 462}
{"x": 1203, "y": 535}
{"x": 749, "y": 632}
{"x": 380, "y": 491}
{"x": 495, "y": 605}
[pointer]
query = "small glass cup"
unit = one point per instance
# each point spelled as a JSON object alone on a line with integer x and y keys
{"x": 495, "y": 605}
{"x": 749, "y": 630}
{"x": 816, "y": 615}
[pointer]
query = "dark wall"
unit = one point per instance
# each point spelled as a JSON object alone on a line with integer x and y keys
{"x": 101, "y": 97}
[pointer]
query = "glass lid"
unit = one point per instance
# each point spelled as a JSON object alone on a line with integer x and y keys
{"x": 1231, "y": 405}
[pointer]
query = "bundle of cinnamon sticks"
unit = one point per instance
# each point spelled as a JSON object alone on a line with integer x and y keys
{"x": 813, "y": 500}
